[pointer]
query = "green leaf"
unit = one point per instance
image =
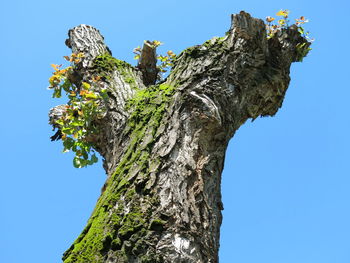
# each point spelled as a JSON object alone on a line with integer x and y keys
{"x": 67, "y": 130}
{"x": 94, "y": 159}
{"x": 77, "y": 123}
{"x": 59, "y": 122}
{"x": 301, "y": 30}
{"x": 85, "y": 85}
{"x": 68, "y": 143}
{"x": 85, "y": 155}
{"x": 57, "y": 92}
{"x": 77, "y": 162}
{"x": 66, "y": 86}
{"x": 91, "y": 96}
{"x": 104, "y": 94}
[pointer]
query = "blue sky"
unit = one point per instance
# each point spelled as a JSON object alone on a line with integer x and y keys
{"x": 286, "y": 179}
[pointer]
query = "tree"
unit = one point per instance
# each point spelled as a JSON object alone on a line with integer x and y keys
{"x": 164, "y": 143}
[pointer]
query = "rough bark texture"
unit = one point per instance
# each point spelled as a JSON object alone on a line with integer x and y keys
{"x": 164, "y": 145}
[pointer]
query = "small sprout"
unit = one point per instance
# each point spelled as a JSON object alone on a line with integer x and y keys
{"x": 271, "y": 30}
{"x": 283, "y": 13}
{"x": 83, "y": 93}
{"x": 269, "y": 19}
{"x": 137, "y": 50}
{"x": 54, "y": 80}
{"x": 156, "y": 43}
{"x": 162, "y": 58}
{"x": 171, "y": 54}
{"x": 56, "y": 67}
{"x": 301, "y": 20}
{"x": 85, "y": 85}
{"x": 282, "y": 22}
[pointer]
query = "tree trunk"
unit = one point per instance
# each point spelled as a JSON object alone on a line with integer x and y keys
{"x": 164, "y": 144}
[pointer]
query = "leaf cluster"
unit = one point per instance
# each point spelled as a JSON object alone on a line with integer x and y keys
{"x": 166, "y": 62}
{"x": 84, "y": 106}
{"x": 283, "y": 23}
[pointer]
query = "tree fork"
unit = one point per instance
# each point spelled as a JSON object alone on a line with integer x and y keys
{"x": 164, "y": 145}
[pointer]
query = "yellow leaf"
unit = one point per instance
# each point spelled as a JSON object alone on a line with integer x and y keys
{"x": 283, "y": 13}
{"x": 157, "y": 43}
{"x": 91, "y": 96}
{"x": 171, "y": 53}
{"x": 281, "y": 22}
{"x": 66, "y": 58}
{"x": 85, "y": 85}
{"x": 82, "y": 92}
{"x": 269, "y": 19}
{"x": 56, "y": 67}
{"x": 62, "y": 71}
{"x": 54, "y": 80}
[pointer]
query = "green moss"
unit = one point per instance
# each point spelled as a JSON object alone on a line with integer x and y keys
{"x": 148, "y": 107}
{"x": 120, "y": 222}
{"x": 132, "y": 222}
{"x": 116, "y": 244}
{"x": 215, "y": 44}
{"x": 105, "y": 65}
{"x": 90, "y": 243}
{"x": 130, "y": 194}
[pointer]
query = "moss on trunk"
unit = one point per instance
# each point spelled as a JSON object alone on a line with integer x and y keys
{"x": 124, "y": 215}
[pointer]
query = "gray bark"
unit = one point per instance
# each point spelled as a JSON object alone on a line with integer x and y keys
{"x": 164, "y": 154}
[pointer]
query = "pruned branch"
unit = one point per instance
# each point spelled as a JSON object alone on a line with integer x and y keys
{"x": 147, "y": 63}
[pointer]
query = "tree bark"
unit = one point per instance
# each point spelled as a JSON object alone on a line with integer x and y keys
{"x": 164, "y": 145}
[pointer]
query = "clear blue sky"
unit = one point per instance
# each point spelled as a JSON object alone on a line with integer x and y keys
{"x": 286, "y": 184}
